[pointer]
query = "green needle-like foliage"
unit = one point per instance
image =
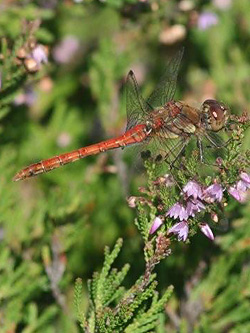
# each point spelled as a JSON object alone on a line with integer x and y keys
{"x": 63, "y": 67}
{"x": 113, "y": 308}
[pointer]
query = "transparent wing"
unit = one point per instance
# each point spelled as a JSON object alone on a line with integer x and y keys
{"x": 164, "y": 151}
{"x": 136, "y": 107}
{"x": 165, "y": 89}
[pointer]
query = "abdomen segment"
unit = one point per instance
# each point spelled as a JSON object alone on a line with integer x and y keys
{"x": 134, "y": 135}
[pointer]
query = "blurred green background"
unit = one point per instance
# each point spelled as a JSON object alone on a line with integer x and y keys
{"x": 66, "y": 217}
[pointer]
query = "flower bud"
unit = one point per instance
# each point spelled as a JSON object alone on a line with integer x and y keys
{"x": 206, "y": 230}
{"x": 21, "y": 53}
{"x": 214, "y": 217}
{"x": 31, "y": 65}
{"x": 131, "y": 202}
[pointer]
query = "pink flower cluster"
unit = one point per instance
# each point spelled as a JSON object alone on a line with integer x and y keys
{"x": 239, "y": 190}
{"x": 207, "y": 20}
{"x": 196, "y": 197}
{"x": 65, "y": 51}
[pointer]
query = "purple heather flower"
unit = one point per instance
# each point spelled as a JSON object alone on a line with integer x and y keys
{"x": 237, "y": 193}
{"x": 212, "y": 193}
{"x": 242, "y": 186}
{"x": 39, "y": 54}
{"x": 177, "y": 211}
{"x": 192, "y": 188}
{"x": 206, "y": 230}
{"x": 131, "y": 201}
{"x": 245, "y": 177}
{"x": 66, "y": 49}
{"x": 50, "y": 4}
{"x": 180, "y": 229}
{"x": 27, "y": 97}
{"x": 193, "y": 207}
{"x": 234, "y": 193}
{"x": 222, "y": 4}
{"x": 206, "y": 20}
{"x": 63, "y": 139}
{"x": 156, "y": 224}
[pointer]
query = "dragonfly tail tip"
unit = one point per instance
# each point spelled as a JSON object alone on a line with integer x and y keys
{"x": 16, "y": 178}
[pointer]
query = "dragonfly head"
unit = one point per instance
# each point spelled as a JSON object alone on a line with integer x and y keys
{"x": 214, "y": 115}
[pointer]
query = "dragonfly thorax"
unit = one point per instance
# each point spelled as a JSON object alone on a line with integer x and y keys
{"x": 214, "y": 115}
{"x": 156, "y": 120}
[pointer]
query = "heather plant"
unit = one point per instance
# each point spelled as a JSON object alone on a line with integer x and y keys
{"x": 173, "y": 207}
{"x": 183, "y": 265}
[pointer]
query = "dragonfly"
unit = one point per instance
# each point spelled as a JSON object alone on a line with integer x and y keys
{"x": 159, "y": 121}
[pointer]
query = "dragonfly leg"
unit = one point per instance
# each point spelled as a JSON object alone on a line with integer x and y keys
{"x": 217, "y": 145}
{"x": 184, "y": 144}
{"x": 172, "y": 164}
{"x": 214, "y": 144}
{"x": 225, "y": 144}
{"x": 200, "y": 146}
{"x": 201, "y": 153}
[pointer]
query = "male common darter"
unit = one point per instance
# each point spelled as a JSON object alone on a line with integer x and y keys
{"x": 158, "y": 121}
